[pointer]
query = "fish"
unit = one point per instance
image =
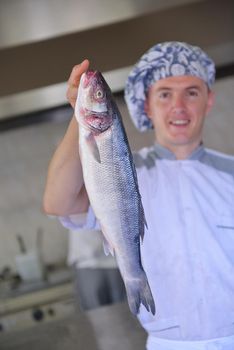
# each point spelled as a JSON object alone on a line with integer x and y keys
{"x": 111, "y": 183}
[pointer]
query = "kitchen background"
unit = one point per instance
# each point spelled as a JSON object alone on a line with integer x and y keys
{"x": 40, "y": 41}
{"x": 25, "y": 154}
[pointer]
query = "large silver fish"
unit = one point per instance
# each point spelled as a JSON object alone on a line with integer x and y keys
{"x": 111, "y": 182}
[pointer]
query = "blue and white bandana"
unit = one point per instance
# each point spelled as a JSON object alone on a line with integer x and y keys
{"x": 162, "y": 61}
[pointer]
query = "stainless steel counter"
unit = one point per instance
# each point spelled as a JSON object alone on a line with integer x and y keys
{"x": 106, "y": 328}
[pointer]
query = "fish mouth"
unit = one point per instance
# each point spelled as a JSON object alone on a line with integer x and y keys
{"x": 89, "y": 75}
{"x": 86, "y": 76}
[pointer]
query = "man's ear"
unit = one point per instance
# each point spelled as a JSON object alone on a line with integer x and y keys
{"x": 146, "y": 108}
{"x": 210, "y": 102}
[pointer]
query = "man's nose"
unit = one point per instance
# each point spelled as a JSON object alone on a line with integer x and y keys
{"x": 178, "y": 104}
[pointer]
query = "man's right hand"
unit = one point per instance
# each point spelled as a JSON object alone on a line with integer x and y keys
{"x": 74, "y": 80}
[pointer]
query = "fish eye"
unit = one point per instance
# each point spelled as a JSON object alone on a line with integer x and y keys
{"x": 99, "y": 94}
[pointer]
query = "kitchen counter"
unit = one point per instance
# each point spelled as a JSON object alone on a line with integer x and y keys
{"x": 110, "y": 327}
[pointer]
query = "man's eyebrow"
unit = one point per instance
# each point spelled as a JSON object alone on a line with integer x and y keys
{"x": 171, "y": 88}
{"x": 193, "y": 87}
{"x": 163, "y": 88}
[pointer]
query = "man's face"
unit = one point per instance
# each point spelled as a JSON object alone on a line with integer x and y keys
{"x": 177, "y": 107}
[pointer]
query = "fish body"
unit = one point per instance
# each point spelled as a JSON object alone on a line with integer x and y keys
{"x": 111, "y": 183}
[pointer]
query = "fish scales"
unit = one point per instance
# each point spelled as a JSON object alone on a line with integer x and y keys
{"x": 114, "y": 182}
{"x": 111, "y": 182}
{"x": 112, "y": 188}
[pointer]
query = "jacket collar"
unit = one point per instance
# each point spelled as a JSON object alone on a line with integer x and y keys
{"x": 165, "y": 153}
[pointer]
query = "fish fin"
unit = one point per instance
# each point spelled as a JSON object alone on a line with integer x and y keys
{"x": 137, "y": 188}
{"x": 93, "y": 147}
{"x": 138, "y": 291}
{"x": 144, "y": 222}
{"x": 142, "y": 233}
{"x": 107, "y": 248}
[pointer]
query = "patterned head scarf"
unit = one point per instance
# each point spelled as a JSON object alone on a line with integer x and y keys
{"x": 162, "y": 61}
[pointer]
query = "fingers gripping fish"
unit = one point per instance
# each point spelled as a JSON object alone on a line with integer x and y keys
{"x": 111, "y": 183}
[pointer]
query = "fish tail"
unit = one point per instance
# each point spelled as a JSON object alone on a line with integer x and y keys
{"x": 138, "y": 291}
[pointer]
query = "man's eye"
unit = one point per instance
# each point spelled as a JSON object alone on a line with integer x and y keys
{"x": 193, "y": 93}
{"x": 164, "y": 95}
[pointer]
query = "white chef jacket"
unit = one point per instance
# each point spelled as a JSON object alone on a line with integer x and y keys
{"x": 188, "y": 248}
{"x": 223, "y": 343}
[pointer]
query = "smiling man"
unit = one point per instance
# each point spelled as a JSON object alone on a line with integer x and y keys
{"x": 177, "y": 107}
{"x": 188, "y": 196}
{"x": 187, "y": 193}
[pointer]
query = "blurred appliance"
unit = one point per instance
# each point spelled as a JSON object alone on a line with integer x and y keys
{"x": 29, "y": 264}
{"x": 37, "y": 302}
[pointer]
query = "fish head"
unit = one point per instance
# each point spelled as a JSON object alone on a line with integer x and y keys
{"x": 93, "y": 106}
